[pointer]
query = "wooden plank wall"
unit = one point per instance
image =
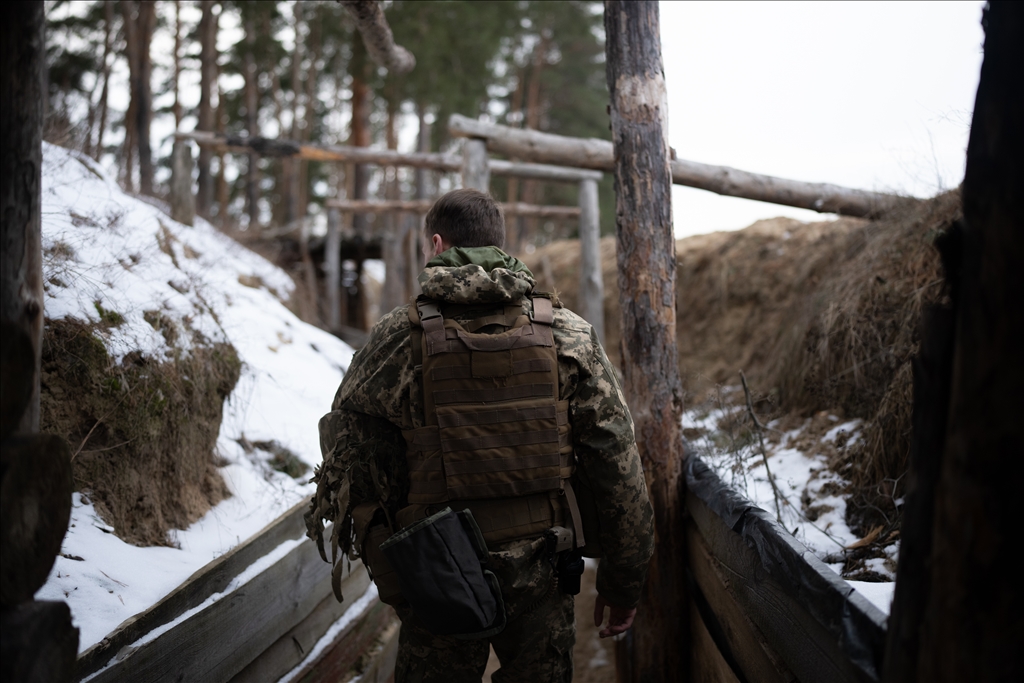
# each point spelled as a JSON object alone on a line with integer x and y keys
{"x": 762, "y": 609}
{"x": 257, "y": 631}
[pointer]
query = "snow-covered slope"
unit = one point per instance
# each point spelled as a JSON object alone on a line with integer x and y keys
{"x": 105, "y": 251}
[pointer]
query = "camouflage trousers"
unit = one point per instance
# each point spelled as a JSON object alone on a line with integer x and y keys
{"x": 535, "y": 646}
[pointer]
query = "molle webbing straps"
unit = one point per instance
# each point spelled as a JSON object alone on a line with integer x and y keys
{"x": 495, "y": 430}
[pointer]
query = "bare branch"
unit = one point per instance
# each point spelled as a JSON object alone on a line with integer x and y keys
{"x": 377, "y": 36}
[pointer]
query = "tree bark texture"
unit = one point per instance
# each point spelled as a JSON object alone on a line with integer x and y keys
{"x": 973, "y": 627}
{"x": 658, "y": 649}
{"x": 252, "y": 173}
{"x": 23, "y": 49}
{"x": 139, "y": 27}
{"x": 591, "y": 282}
{"x": 359, "y": 132}
{"x": 547, "y": 148}
{"x": 183, "y": 203}
{"x": 206, "y": 122}
{"x": 377, "y": 36}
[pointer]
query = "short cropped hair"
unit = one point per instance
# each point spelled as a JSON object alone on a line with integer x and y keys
{"x": 467, "y": 218}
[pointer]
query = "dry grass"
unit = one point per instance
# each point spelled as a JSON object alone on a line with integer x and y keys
{"x": 143, "y": 431}
{"x": 820, "y": 316}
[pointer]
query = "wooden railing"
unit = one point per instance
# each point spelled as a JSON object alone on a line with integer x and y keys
{"x": 257, "y": 613}
{"x": 764, "y": 607}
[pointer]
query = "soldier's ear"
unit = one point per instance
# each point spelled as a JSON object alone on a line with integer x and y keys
{"x": 438, "y": 244}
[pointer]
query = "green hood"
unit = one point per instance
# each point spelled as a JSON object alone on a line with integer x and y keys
{"x": 476, "y": 275}
{"x": 487, "y": 258}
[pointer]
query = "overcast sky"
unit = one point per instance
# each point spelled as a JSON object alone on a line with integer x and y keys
{"x": 868, "y": 95}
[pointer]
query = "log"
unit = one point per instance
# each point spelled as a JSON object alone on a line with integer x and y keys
{"x": 973, "y": 624}
{"x": 807, "y": 646}
{"x": 732, "y": 629}
{"x": 591, "y": 282}
{"x": 218, "y": 642}
{"x": 382, "y": 157}
{"x": 519, "y": 169}
{"x": 598, "y": 154}
{"x": 37, "y": 643}
{"x": 22, "y": 92}
{"x": 16, "y": 365}
{"x": 183, "y": 202}
{"x": 292, "y": 647}
{"x": 645, "y": 249}
{"x": 422, "y": 206}
{"x": 377, "y": 36}
{"x": 35, "y": 499}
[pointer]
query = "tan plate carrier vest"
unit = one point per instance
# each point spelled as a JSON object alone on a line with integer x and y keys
{"x": 497, "y": 440}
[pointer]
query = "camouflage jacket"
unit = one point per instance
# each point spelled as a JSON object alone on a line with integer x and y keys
{"x": 380, "y": 395}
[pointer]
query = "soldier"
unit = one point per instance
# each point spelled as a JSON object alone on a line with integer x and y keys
{"x": 458, "y": 401}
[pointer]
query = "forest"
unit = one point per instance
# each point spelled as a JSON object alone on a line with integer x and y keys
{"x": 207, "y": 205}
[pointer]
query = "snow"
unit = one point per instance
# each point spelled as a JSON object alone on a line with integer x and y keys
{"x": 105, "y": 251}
{"x": 811, "y": 498}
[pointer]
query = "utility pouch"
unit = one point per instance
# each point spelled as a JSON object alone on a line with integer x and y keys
{"x": 439, "y": 563}
{"x": 372, "y": 529}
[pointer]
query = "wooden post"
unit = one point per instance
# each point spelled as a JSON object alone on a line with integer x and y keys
{"x": 183, "y": 202}
{"x": 332, "y": 266}
{"x": 21, "y": 125}
{"x": 972, "y": 627}
{"x": 591, "y": 282}
{"x": 658, "y": 649}
{"x": 475, "y": 171}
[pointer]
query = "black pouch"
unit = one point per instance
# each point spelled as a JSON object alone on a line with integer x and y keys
{"x": 439, "y": 562}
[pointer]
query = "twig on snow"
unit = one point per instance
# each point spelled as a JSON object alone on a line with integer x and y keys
{"x": 764, "y": 454}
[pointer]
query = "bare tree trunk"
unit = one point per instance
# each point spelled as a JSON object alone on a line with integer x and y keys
{"x": 973, "y": 625}
{"x": 251, "y": 124}
{"x": 108, "y": 33}
{"x": 21, "y": 125}
{"x": 393, "y": 245}
{"x": 176, "y": 107}
{"x": 207, "y": 113}
{"x": 290, "y": 166}
{"x": 143, "y": 86}
{"x": 658, "y": 647}
{"x": 359, "y": 135}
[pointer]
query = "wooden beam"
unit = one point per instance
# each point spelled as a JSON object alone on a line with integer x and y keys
{"x": 598, "y": 154}
{"x": 520, "y": 169}
{"x": 377, "y": 36}
{"x": 382, "y": 157}
{"x": 423, "y": 205}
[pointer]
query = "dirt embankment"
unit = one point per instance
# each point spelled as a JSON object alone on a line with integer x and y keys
{"x": 142, "y": 432}
{"x": 820, "y": 316}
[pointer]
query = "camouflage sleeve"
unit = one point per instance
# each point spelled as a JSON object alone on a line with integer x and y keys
{"x": 607, "y": 457}
{"x": 360, "y": 439}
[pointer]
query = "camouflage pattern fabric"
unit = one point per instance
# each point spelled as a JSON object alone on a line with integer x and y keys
{"x": 536, "y": 645}
{"x": 364, "y": 453}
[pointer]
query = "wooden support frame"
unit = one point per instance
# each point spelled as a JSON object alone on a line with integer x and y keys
{"x": 383, "y": 157}
{"x": 421, "y": 206}
{"x": 598, "y": 154}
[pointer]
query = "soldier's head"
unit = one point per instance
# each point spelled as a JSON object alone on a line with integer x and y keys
{"x": 463, "y": 218}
